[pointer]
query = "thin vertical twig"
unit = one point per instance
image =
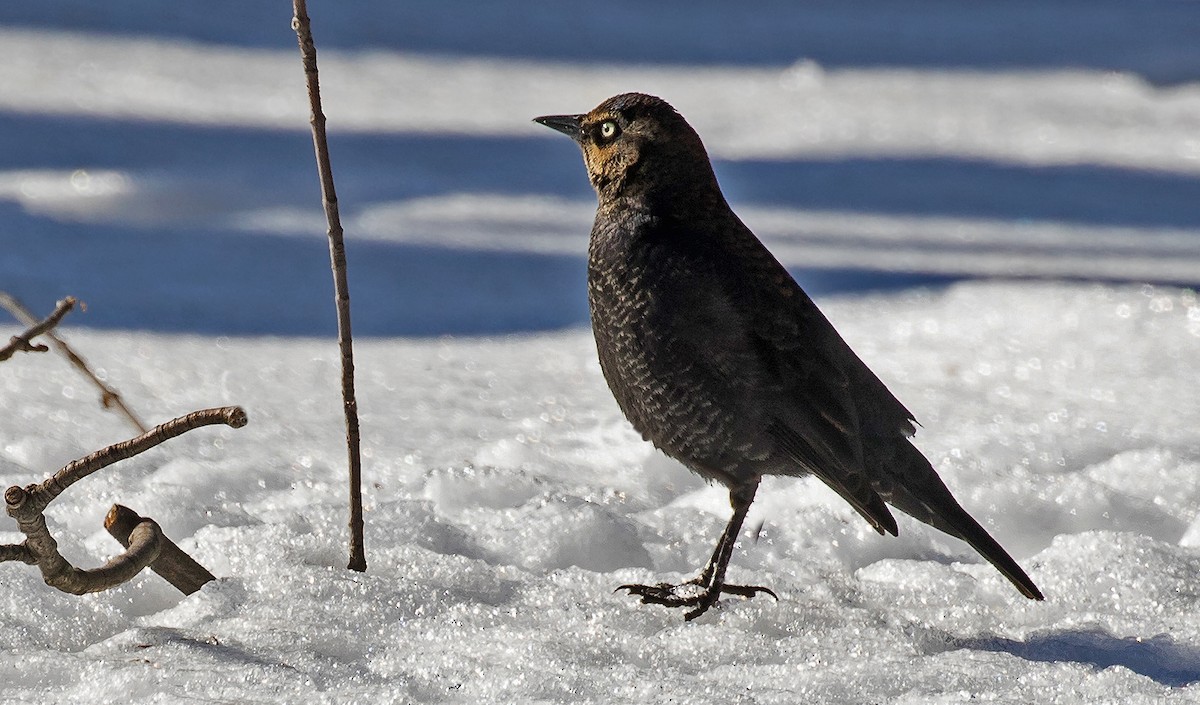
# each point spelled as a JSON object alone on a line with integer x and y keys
{"x": 337, "y": 256}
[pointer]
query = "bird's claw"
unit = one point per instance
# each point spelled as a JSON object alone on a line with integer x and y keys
{"x": 701, "y": 598}
{"x": 748, "y": 590}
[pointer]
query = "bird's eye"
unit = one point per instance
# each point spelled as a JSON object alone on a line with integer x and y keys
{"x": 608, "y": 130}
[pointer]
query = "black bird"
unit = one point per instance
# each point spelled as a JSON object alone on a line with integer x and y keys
{"x": 720, "y": 359}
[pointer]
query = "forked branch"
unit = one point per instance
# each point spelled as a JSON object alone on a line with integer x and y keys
{"x": 109, "y": 398}
{"x": 24, "y": 342}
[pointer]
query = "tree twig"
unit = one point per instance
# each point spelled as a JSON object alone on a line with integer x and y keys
{"x": 109, "y": 398}
{"x": 37, "y": 497}
{"x": 24, "y": 341}
{"x": 27, "y": 506}
{"x": 172, "y": 564}
{"x": 337, "y": 256}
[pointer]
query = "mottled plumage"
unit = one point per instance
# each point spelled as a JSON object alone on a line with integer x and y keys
{"x": 717, "y": 356}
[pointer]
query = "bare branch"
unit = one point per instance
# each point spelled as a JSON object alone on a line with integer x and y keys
{"x": 172, "y": 564}
{"x": 38, "y": 496}
{"x": 23, "y": 342}
{"x": 27, "y": 504}
{"x": 58, "y": 573}
{"x": 16, "y": 552}
{"x": 108, "y": 396}
{"x": 337, "y": 256}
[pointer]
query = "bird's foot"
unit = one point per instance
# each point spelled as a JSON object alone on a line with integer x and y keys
{"x": 692, "y": 594}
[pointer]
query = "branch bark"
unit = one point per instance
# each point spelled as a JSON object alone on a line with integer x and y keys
{"x": 172, "y": 564}
{"x": 16, "y": 552}
{"x": 109, "y": 398}
{"x": 27, "y": 506}
{"x": 24, "y": 342}
{"x": 35, "y": 497}
{"x": 337, "y": 255}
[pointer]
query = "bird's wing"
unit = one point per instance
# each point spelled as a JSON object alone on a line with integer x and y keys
{"x": 810, "y": 352}
{"x": 817, "y": 420}
{"x": 750, "y": 324}
{"x": 852, "y": 485}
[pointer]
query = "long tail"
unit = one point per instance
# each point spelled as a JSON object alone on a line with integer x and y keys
{"x": 919, "y": 492}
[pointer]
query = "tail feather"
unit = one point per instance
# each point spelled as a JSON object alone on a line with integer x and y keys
{"x": 965, "y": 527}
{"x": 920, "y": 493}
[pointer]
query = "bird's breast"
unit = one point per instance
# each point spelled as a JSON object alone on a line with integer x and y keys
{"x": 661, "y": 381}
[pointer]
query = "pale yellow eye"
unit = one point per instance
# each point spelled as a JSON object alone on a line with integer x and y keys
{"x": 608, "y": 130}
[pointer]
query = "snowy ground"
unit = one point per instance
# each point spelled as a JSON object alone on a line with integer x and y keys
{"x": 977, "y": 196}
{"x": 508, "y": 498}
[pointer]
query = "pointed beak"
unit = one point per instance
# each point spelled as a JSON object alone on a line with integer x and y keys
{"x": 569, "y": 125}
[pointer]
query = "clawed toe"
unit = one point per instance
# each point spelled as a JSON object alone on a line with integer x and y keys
{"x": 748, "y": 590}
{"x": 696, "y": 595}
{"x": 701, "y": 592}
{"x": 664, "y": 594}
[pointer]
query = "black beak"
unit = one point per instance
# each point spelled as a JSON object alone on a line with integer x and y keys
{"x": 569, "y": 125}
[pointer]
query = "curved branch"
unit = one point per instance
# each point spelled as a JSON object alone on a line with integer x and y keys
{"x": 172, "y": 564}
{"x": 145, "y": 540}
{"x": 57, "y": 572}
{"x": 35, "y": 497}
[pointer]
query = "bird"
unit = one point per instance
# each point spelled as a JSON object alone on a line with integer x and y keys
{"x": 717, "y": 356}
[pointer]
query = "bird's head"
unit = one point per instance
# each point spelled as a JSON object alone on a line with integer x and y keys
{"x": 637, "y": 144}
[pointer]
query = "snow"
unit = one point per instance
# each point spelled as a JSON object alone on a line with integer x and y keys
{"x": 507, "y": 498}
{"x": 1002, "y": 223}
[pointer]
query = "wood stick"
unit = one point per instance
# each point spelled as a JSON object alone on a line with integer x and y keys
{"x": 144, "y": 538}
{"x": 337, "y": 256}
{"x": 23, "y": 342}
{"x": 175, "y": 566}
{"x": 109, "y": 398}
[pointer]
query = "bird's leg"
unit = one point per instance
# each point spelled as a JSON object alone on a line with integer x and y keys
{"x": 711, "y": 580}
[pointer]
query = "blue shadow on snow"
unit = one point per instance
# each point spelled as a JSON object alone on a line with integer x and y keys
{"x": 1155, "y": 40}
{"x": 221, "y": 283}
{"x": 189, "y": 271}
{"x": 276, "y": 168}
{"x": 1159, "y": 658}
